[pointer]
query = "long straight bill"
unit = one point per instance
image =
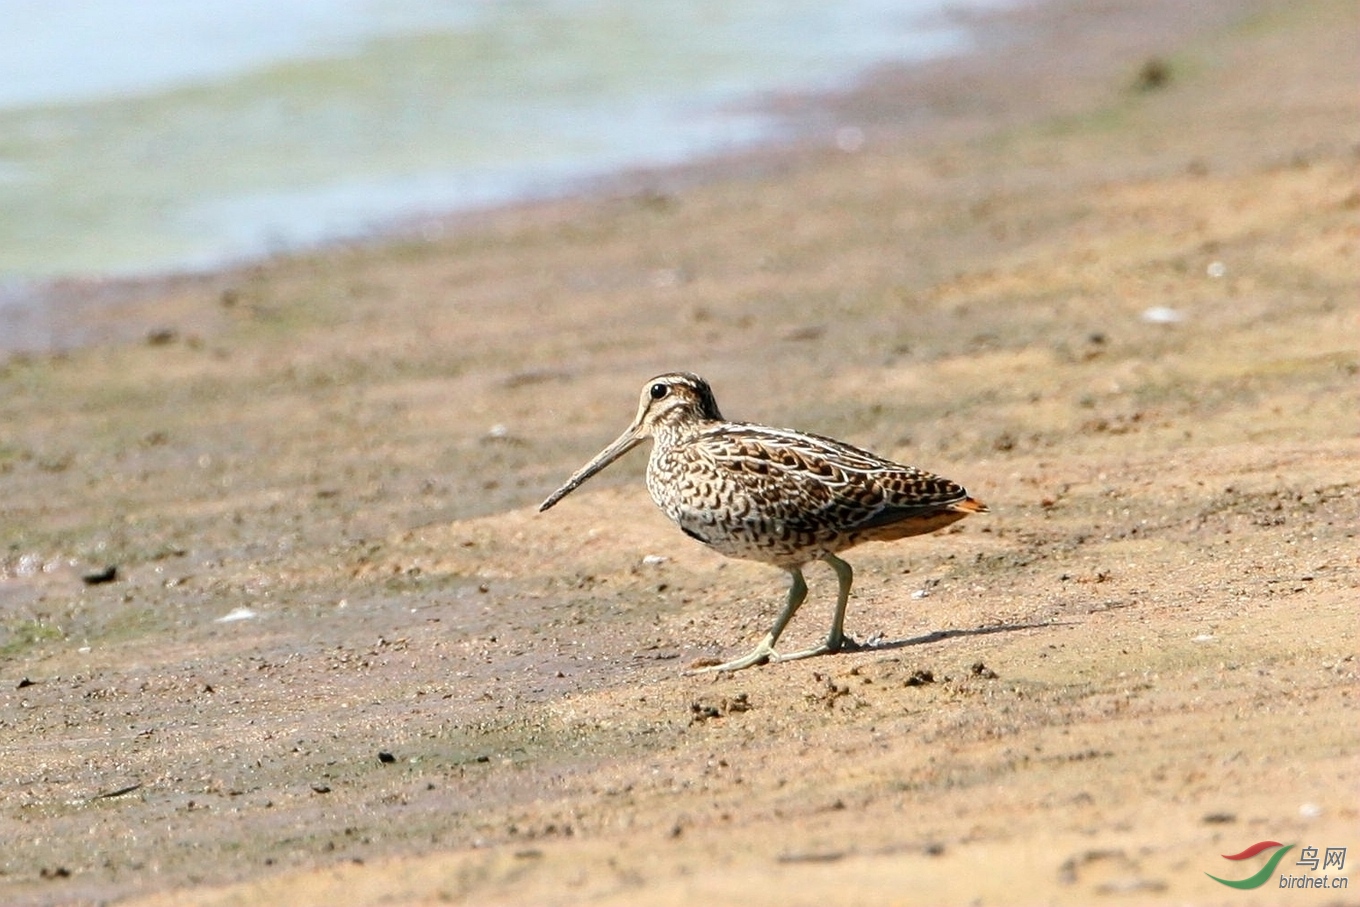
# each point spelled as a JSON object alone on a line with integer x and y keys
{"x": 624, "y": 443}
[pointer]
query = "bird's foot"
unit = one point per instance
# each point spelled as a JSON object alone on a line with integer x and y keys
{"x": 765, "y": 652}
{"x": 829, "y": 647}
{"x": 759, "y": 655}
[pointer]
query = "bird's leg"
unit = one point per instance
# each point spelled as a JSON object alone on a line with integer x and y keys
{"x": 836, "y": 639}
{"x": 765, "y": 650}
{"x": 845, "y": 575}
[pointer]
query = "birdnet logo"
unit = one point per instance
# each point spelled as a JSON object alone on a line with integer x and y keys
{"x": 1259, "y": 879}
{"x": 1334, "y": 858}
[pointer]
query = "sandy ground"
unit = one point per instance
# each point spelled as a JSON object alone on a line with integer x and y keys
{"x": 1142, "y": 659}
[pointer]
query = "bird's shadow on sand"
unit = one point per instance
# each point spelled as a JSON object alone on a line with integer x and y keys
{"x": 939, "y": 635}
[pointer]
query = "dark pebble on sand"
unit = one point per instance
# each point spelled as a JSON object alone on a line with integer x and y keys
{"x": 98, "y": 577}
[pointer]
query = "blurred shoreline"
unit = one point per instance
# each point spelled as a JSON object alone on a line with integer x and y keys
{"x": 1014, "y": 73}
{"x": 225, "y": 142}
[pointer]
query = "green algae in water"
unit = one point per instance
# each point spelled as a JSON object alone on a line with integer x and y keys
{"x": 523, "y": 100}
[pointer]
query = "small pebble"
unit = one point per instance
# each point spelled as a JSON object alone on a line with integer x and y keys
{"x": 234, "y": 615}
{"x": 1161, "y": 314}
{"x": 99, "y": 577}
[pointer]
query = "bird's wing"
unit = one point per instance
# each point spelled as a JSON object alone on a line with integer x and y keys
{"x": 809, "y": 483}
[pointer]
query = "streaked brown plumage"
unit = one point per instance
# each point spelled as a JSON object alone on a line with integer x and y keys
{"x": 772, "y": 495}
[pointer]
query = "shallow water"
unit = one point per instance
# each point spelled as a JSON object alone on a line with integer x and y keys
{"x": 148, "y": 135}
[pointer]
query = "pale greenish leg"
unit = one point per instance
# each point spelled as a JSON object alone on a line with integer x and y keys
{"x": 835, "y": 640}
{"x": 765, "y": 650}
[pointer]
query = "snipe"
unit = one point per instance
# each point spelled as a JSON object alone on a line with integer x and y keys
{"x": 772, "y": 495}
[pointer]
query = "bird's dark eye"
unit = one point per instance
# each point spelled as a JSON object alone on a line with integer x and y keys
{"x": 659, "y": 390}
